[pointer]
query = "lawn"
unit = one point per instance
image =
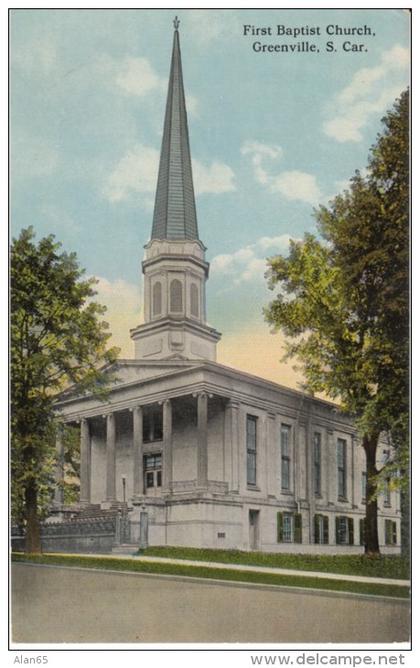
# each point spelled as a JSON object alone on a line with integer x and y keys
{"x": 137, "y": 566}
{"x": 348, "y": 564}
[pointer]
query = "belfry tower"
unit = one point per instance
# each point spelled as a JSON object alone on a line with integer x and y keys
{"x": 175, "y": 269}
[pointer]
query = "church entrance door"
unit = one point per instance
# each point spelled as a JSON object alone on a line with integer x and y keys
{"x": 153, "y": 474}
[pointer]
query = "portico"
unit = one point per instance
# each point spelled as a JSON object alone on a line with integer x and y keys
{"x": 122, "y": 443}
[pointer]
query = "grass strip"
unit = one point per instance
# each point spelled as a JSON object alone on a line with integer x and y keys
{"x": 137, "y": 566}
{"x": 385, "y": 566}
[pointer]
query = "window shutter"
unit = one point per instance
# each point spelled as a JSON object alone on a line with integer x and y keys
{"x": 326, "y": 531}
{"x": 279, "y": 527}
{"x": 394, "y": 533}
{"x": 337, "y": 530}
{"x": 316, "y": 523}
{"x": 298, "y": 528}
{"x": 351, "y": 531}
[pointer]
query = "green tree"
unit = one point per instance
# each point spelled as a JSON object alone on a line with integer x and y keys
{"x": 344, "y": 300}
{"x": 57, "y": 338}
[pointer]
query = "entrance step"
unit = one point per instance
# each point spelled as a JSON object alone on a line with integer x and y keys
{"x": 125, "y": 548}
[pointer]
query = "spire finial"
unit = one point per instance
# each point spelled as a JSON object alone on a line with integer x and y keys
{"x": 176, "y": 23}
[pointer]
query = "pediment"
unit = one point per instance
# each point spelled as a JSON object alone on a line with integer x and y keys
{"x": 127, "y": 371}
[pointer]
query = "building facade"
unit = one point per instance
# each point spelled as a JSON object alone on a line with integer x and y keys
{"x": 197, "y": 453}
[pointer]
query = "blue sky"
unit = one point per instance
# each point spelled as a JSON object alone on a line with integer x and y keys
{"x": 272, "y": 136}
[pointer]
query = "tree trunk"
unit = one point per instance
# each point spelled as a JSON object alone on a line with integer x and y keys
{"x": 405, "y": 522}
{"x": 370, "y": 444}
{"x": 33, "y": 526}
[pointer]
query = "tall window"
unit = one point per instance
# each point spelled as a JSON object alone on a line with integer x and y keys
{"x": 157, "y": 298}
{"x": 341, "y": 468}
{"x": 176, "y": 296}
{"x": 344, "y": 530}
{"x": 321, "y": 529}
{"x": 317, "y": 464}
{"x": 285, "y": 457}
{"x": 251, "y": 450}
{"x": 364, "y": 486}
{"x": 153, "y": 425}
{"x": 390, "y": 532}
{"x": 194, "y": 300}
{"x": 289, "y": 528}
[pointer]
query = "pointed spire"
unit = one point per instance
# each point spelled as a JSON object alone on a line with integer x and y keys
{"x": 175, "y": 215}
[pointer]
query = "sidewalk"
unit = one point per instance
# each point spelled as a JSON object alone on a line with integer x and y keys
{"x": 260, "y": 569}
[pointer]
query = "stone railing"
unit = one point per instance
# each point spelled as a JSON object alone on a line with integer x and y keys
{"x": 81, "y": 525}
{"x": 216, "y": 486}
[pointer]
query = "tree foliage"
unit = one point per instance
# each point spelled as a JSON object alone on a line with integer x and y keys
{"x": 58, "y": 338}
{"x": 344, "y": 297}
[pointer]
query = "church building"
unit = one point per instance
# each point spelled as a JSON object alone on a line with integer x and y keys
{"x": 194, "y": 453}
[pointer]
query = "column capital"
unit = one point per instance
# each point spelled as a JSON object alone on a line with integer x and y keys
{"x": 233, "y": 403}
{"x": 165, "y": 402}
{"x": 271, "y": 416}
{"x": 204, "y": 393}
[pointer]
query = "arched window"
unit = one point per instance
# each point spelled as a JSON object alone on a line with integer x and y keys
{"x": 194, "y": 300}
{"x": 157, "y": 298}
{"x": 176, "y": 296}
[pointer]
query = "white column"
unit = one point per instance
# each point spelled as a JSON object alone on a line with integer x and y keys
{"x": 84, "y": 462}
{"x": 59, "y": 470}
{"x": 202, "y": 457}
{"x": 227, "y": 445}
{"x": 309, "y": 479}
{"x": 302, "y": 473}
{"x": 325, "y": 463}
{"x": 234, "y": 415}
{"x": 262, "y": 457}
{"x": 110, "y": 458}
{"x": 332, "y": 471}
{"x": 138, "y": 484}
{"x": 272, "y": 463}
{"x": 167, "y": 446}
{"x": 353, "y": 471}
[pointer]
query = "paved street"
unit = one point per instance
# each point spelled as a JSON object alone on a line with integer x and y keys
{"x": 52, "y": 605}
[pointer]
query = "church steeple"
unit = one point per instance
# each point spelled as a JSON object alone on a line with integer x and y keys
{"x": 175, "y": 214}
{"x": 174, "y": 266}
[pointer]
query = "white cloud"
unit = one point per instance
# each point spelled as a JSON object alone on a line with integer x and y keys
{"x": 279, "y": 244}
{"x": 293, "y": 185}
{"x": 136, "y": 172}
{"x": 369, "y": 93}
{"x": 214, "y": 178}
{"x": 205, "y": 26}
{"x": 192, "y": 104}
{"x": 296, "y": 185}
{"x": 249, "y": 263}
{"x": 124, "y": 311}
{"x": 258, "y": 152}
{"x": 137, "y": 77}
